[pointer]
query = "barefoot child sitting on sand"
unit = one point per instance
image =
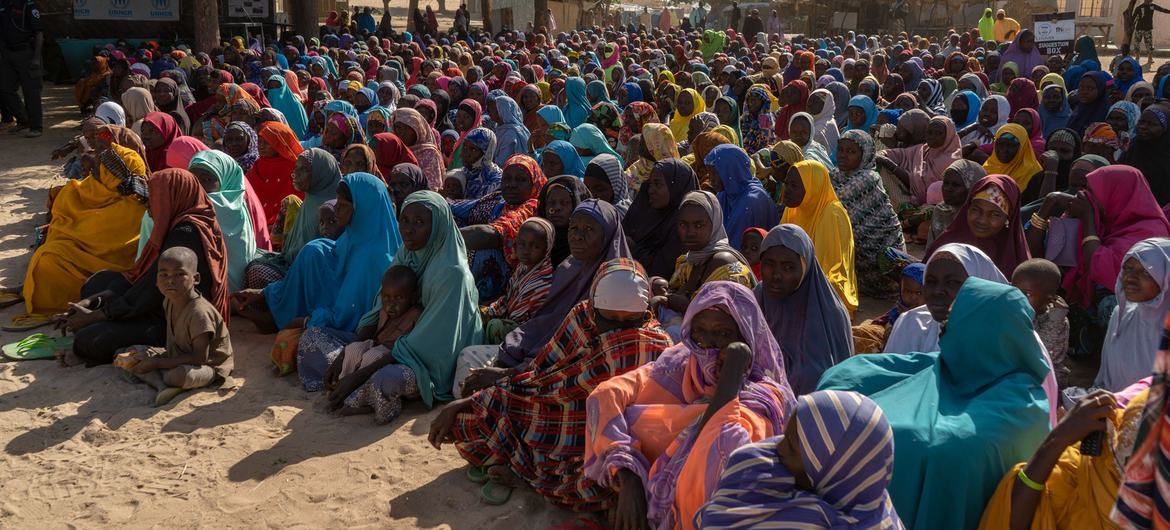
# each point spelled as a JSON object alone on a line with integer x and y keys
{"x": 199, "y": 349}
{"x": 360, "y": 359}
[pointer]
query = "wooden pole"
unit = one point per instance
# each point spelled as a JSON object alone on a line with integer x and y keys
{"x": 206, "y": 24}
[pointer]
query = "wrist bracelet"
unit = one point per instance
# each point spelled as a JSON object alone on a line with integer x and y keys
{"x": 1090, "y": 238}
{"x": 1039, "y": 222}
{"x": 1032, "y": 484}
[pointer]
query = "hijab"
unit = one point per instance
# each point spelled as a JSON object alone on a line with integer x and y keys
{"x": 1093, "y": 111}
{"x": 231, "y": 212}
{"x": 743, "y": 200}
{"x": 1007, "y": 249}
{"x": 1136, "y": 328}
{"x": 1021, "y": 168}
{"x": 653, "y": 233}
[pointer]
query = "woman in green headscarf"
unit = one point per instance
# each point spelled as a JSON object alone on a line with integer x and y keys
{"x": 713, "y": 42}
{"x": 590, "y": 142}
{"x": 425, "y": 357}
{"x": 987, "y": 25}
{"x": 223, "y": 180}
{"x": 728, "y": 112}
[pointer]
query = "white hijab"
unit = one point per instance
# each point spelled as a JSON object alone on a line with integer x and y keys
{"x": 1135, "y": 329}
{"x": 825, "y": 130}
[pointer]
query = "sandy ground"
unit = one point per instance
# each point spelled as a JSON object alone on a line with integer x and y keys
{"x": 83, "y": 449}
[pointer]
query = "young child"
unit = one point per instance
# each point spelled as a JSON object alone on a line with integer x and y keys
{"x": 327, "y": 221}
{"x": 530, "y": 282}
{"x": 749, "y": 246}
{"x": 1039, "y": 279}
{"x": 453, "y": 186}
{"x": 870, "y": 336}
{"x": 198, "y": 351}
{"x": 361, "y": 359}
{"x": 449, "y": 138}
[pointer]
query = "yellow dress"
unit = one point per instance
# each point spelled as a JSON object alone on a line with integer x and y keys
{"x": 93, "y": 228}
{"x": 1081, "y": 490}
{"x": 825, "y": 220}
{"x": 732, "y": 272}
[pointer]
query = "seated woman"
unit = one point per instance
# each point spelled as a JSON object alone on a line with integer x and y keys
{"x": 557, "y": 201}
{"x": 595, "y": 236}
{"x": 490, "y": 223}
{"x": 807, "y": 319}
{"x": 423, "y": 359}
{"x": 1115, "y": 212}
{"x": 810, "y": 203}
{"x": 1067, "y": 489}
{"x": 415, "y": 132}
{"x": 315, "y": 175}
{"x": 957, "y": 181}
{"x": 271, "y": 174}
{"x": 661, "y": 435}
{"x": 1013, "y": 156}
{"x": 93, "y": 226}
{"x": 921, "y": 164}
{"x": 651, "y": 224}
{"x": 742, "y": 197}
{"x": 707, "y": 257}
{"x": 479, "y": 173}
{"x": 830, "y": 469}
{"x": 330, "y": 284}
{"x": 223, "y": 180}
{"x": 971, "y": 410}
{"x": 604, "y": 336}
{"x": 875, "y": 225}
{"x": 559, "y": 157}
{"x": 604, "y": 178}
{"x": 529, "y": 284}
{"x": 1138, "y": 322}
{"x": 990, "y": 220}
{"x": 122, "y": 309}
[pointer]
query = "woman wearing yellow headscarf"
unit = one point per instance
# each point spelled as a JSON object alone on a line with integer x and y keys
{"x": 657, "y": 141}
{"x": 810, "y": 203}
{"x": 1012, "y": 155}
{"x": 93, "y": 227}
{"x": 1077, "y": 491}
{"x": 686, "y": 106}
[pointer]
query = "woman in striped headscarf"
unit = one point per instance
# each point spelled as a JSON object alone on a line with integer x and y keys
{"x": 828, "y": 470}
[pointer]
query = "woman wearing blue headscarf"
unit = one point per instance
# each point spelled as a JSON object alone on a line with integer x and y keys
{"x": 964, "y": 117}
{"x": 742, "y": 197}
{"x": 590, "y": 142}
{"x": 1054, "y": 109}
{"x": 224, "y": 182}
{"x": 282, "y": 99}
{"x": 863, "y": 113}
{"x": 331, "y": 284}
{"x": 1092, "y": 92}
{"x": 628, "y": 93}
{"x": 577, "y": 108}
{"x": 511, "y": 134}
{"x": 564, "y": 157}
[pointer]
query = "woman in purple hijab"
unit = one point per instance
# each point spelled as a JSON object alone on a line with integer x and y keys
{"x": 1024, "y": 53}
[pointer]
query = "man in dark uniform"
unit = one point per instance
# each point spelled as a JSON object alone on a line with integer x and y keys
{"x": 20, "y": 64}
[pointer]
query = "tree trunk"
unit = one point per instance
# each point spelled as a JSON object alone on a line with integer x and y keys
{"x": 485, "y": 8}
{"x": 206, "y": 24}
{"x": 541, "y": 18}
{"x": 306, "y": 17}
{"x": 442, "y": 6}
{"x": 410, "y": 17}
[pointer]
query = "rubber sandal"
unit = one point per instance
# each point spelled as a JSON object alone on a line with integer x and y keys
{"x": 488, "y": 493}
{"x": 166, "y": 395}
{"x": 477, "y": 475}
{"x": 28, "y": 322}
{"x": 36, "y": 347}
{"x": 10, "y": 299}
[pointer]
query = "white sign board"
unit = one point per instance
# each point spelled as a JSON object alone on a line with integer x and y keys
{"x": 1055, "y": 32}
{"x": 126, "y": 9}
{"x": 247, "y": 8}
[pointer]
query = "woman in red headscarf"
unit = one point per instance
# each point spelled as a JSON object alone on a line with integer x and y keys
{"x": 271, "y": 174}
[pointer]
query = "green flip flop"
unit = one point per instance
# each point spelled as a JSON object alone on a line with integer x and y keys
{"x": 477, "y": 475}
{"x": 495, "y": 494}
{"x": 36, "y": 347}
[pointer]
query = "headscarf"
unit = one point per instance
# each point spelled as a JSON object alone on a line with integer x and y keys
{"x": 744, "y": 201}
{"x": 1021, "y": 94}
{"x": 1123, "y": 86}
{"x": 653, "y": 234}
{"x": 577, "y": 108}
{"x": 110, "y": 113}
{"x": 1094, "y": 111}
{"x": 248, "y": 159}
{"x": 1132, "y": 112}
{"x": 825, "y": 130}
{"x": 156, "y": 159}
{"x": 512, "y": 136}
{"x": 1152, "y": 157}
{"x": 1136, "y": 328}
{"x": 871, "y": 113}
{"x": 231, "y": 212}
{"x": 680, "y": 123}
{"x": 430, "y": 159}
{"x": 813, "y": 150}
{"x": 283, "y": 99}
{"x": 717, "y": 242}
{"x": 1026, "y": 61}
{"x": 1021, "y": 168}
{"x": 1009, "y": 248}
{"x": 176, "y": 197}
{"x": 181, "y": 151}
{"x": 820, "y": 337}
{"x": 787, "y": 112}
{"x": 973, "y": 106}
{"x": 1054, "y": 120}
{"x": 570, "y": 160}
{"x": 588, "y": 136}
{"x": 608, "y": 167}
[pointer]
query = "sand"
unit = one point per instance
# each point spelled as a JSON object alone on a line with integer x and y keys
{"x": 83, "y": 449}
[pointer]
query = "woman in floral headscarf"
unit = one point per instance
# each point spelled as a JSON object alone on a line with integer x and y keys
{"x": 479, "y": 173}
{"x": 757, "y": 124}
{"x": 415, "y": 132}
{"x": 634, "y": 117}
{"x": 875, "y": 225}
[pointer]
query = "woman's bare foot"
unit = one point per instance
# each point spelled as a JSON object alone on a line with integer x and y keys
{"x": 66, "y": 358}
{"x": 503, "y": 475}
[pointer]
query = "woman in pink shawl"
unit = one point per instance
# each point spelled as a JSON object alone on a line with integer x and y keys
{"x": 1117, "y": 208}
{"x": 415, "y": 132}
{"x": 183, "y": 149}
{"x": 920, "y": 165}
{"x": 663, "y": 432}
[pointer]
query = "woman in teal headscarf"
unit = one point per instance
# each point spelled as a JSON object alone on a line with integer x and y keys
{"x": 316, "y": 174}
{"x": 867, "y": 107}
{"x": 969, "y": 412}
{"x": 577, "y": 108}
{"x": 281, "y": 98}
{"x": 727, "y": 110}
{"x": 570, "y": 161}
{"x": 596, "y": 92}
{"x": 450, "y": 320}
{"x": 223, "y": 179}
{"x": 587, "y": 137}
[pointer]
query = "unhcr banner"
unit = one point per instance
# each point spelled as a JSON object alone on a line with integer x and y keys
{"x": 126, "y": 9}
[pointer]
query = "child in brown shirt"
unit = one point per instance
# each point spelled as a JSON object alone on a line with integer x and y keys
{"x": 199, "y": 349}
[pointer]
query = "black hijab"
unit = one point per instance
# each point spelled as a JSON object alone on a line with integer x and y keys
{"x": 578, "y": 191}
{"x": 653, "y": 234}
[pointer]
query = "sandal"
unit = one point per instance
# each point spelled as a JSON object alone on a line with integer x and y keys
{"x": 36, "y": 347}
{"x": 495, "y": 494}
{"x": 477, "y": 475}
{"x": 10, "y": 299}
{"x": 28, "y": 322}
{"x": 165, "y": 395}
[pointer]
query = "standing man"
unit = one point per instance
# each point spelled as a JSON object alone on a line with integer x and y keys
{"x": 699, "y": 16}
{"x": 20, "y": 64}
{"x": 1143, "y": 28}
{"x": 733, "y": 18}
